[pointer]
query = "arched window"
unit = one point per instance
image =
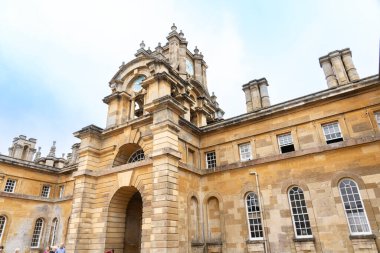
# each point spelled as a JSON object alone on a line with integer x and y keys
{"x": 301, "y": 222}
{"x": 37, "y": 233}
{"x": 254, "y": 216}
{"x": 3, "y": 221}
{"x": 54, "y": 231}
{"x": 354, "y": 208}
{"x": 137, "y": 156}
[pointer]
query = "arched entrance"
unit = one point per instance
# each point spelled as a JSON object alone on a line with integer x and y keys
{"x": 124, "y": 221}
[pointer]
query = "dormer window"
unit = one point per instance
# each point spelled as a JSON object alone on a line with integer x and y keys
{"x": 136, "y": 87}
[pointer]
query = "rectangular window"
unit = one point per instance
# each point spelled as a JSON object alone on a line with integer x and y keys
{"x": 285, "y": 143}
{"x": 61, "y": 191}
{"x": 245, "y": 152}
{"x": 45, "y": 191}
{"x": 377, "y": 117}
{"x": 332, "y": 132}
{"x": 210, "y": 160}
{"x": 10, "y": 185}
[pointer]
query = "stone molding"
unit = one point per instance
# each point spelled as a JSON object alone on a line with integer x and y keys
{"x": 35, "y": 198}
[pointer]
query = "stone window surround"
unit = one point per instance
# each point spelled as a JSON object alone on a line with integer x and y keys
{"x": 14, "y": 186}
{"x": 61, "y": 192}
{"x": 363, "y": 206}
{"x": 3, "y": 225}
{"x": 292, "y": 214}
{"x": 326, "y": 126}
{"x": 45, "y": 191}
{"x": 240, "y": 145}
{"x": 40, "y": 230}
{"x": 340, "y": 119}
{"x": 278, "y": 136}
{"x": 207, "y": 153}
{"x": 260, "y": 217}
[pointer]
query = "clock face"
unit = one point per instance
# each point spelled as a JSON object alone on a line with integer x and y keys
{"x": 137, "y": 83}
{"x": 189, "y": 67}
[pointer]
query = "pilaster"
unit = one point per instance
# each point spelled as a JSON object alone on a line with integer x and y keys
{"x": 164, "y": 236}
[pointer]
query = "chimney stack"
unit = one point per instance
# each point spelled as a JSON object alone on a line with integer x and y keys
{"x": 339, "y": 68}
{"x": 256, "y": 94}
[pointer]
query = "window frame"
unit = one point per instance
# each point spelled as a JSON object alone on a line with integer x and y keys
{"x": 345, "y": 210}
{"x": 293, "y": 214}
{"x": 2, "y": 231}
{"x": 61, "y": 191}
{"x": 54, "y": 231}
{"x": 207, "y": 161}
{"x": 39, "y": 235}
{"x": 257, "y": 213}
{"x": 137, "y": 156}
{"x": 249, "y": 145}
{"x": 48, "y": 193}
{"x": 324, "y": 133}
{"x": 14, "y": 186}
{"x": 376, "y": 114}
{"x": 280, "y": 145}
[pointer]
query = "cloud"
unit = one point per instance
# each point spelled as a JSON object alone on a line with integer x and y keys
{"x": 56, "y": 58}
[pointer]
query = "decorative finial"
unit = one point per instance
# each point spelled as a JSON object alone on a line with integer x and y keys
{"x": 52, "y": 150}
{"x": 174, "y": 28}
{"x": 142, "y": 45}
{"x": 159, "y": 44}
{"x": 196, "y": 50}
{"x": 181, "y": 34}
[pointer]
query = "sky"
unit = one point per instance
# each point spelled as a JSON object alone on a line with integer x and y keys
{"x": 57, "y": 57}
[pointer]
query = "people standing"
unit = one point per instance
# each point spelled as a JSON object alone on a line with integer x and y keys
{"x": 2, "y": 249}
{"x": 61, "y": 248}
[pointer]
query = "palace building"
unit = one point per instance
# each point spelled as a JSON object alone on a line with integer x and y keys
{"x": 169, "y": 174}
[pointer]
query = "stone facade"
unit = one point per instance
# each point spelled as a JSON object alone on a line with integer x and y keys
{"x": 169, "y": 174}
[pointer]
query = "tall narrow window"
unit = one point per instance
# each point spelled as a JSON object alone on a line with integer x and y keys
{"x": 3, "y": 222}
{"x": 54, "y": 232}
{"x": 285, "y": 142}
{"x": 211, "y": 160}
{"x": 45, "y": 191}
{"x": 300, "y": 217}
{"x": 10, "y": 185}
{"x": 254, "y": 216}
{"x": 377, "y": 118}
{"x": 245, "y": 152}
{"x": 354, "y": 209}
{"x": 37, "y": 233}
{"x": 61, "y": 191}
{"x": 332, "y": 132}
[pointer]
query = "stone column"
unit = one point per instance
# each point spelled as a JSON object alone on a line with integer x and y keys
{"x": 248, "y": 99}
{"x": 339, "y": 70}
{"x": 80, "y": 236}
{"x": 349, "y": 65}
{"x": 329, "y": 73}
{"x": 265, "y": 102}
{"x": 256, "y": 98}
{"x": 165, "y": 156}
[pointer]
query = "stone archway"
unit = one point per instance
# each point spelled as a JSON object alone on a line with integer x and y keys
{"x": 123, "y": 233}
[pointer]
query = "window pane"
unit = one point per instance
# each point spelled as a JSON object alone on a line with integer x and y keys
{"x": 10, "y": 185}
{"x": 2, "y": 226}
{"x": 299, "y": 212}
{"x": 211, "y": 160}
{"x": 137, "y": 156}
{"x": 254, "y": 216}
{"x": 353, "y": 206}
{"x": 37, "y": 233}
{"x": 245, "y": 152}
{"x": 331, "y": 131}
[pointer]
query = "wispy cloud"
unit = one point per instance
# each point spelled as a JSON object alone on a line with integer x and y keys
{"x": 56, "y": 58}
